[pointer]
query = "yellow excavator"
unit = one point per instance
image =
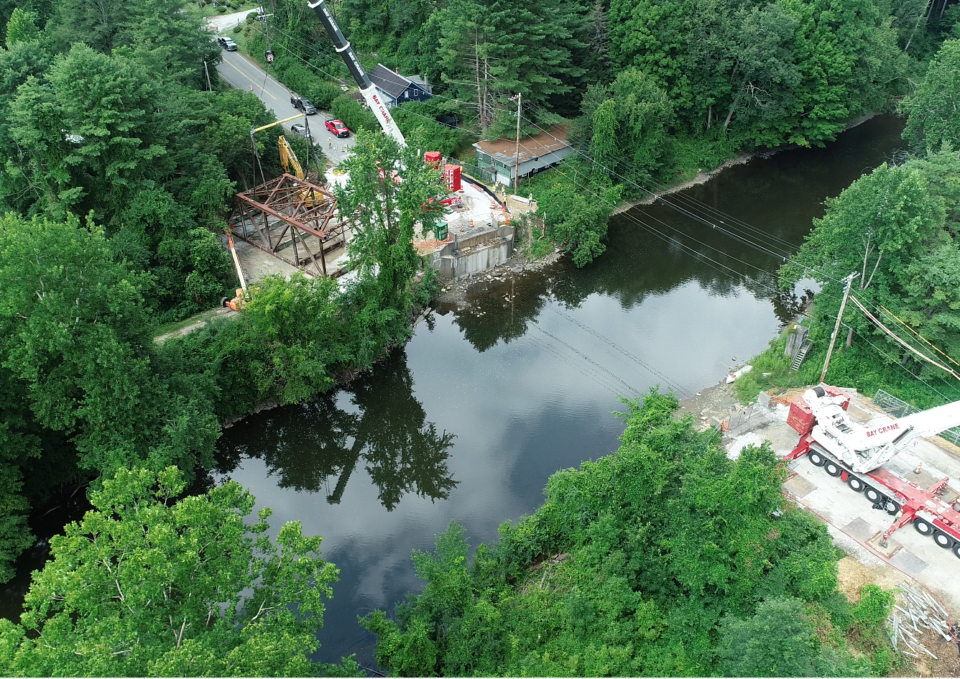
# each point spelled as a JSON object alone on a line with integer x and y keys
{"x": 289, "y": 159}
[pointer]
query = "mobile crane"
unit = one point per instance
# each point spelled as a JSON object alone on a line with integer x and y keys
{"x": 856, "y": 454}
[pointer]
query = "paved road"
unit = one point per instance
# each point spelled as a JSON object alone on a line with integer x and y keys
{"x": 242, "y": 73}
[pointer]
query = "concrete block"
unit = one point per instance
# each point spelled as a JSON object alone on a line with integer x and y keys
{"x": 763, "y": 399}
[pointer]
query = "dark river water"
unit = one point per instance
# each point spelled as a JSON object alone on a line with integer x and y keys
{"x": 469, "y": 420}
{"x": 471, "y": 417}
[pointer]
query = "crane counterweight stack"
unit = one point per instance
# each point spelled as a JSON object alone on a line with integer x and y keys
{"x": 856, "y": 454}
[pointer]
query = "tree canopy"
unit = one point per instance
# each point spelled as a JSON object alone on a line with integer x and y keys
{"x": 151, "y": 585}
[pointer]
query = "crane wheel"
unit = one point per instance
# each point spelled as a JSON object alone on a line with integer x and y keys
{"x": 942, "y": 539}
{"x": 816, "y": 459}
{"x": 956, "y": 550}
{"x": 872, "y": 494}
{"x": 890, "y": 506}
{"x": 922, "y": 527}
{"x": 832, "y": 469}
{"x": 856, "y": 485}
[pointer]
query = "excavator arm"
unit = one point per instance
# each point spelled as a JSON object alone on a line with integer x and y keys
{"x": 289, "y": 160}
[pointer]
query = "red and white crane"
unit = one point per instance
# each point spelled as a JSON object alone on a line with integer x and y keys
{"x": 856, "y": 454}
{"x": 374, "y": 102}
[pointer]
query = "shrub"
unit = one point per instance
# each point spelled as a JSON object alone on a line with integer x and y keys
{"x": 251, "y": 17}
{"x": 353, "y": 115}
{"x": 237, "y": 28}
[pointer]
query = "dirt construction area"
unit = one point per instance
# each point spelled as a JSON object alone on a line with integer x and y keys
{"x": 909, "y": 558}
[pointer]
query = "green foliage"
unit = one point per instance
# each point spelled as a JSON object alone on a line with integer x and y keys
{"x": 76, "y": 335}
{"x": 418, "y": 119}
{"x": 147, "y": 585}
{"x": 577, "y": 222}
{"x": 663, "y": 559}
{"x": 629, "y": 128}
{"x": 780, "y": 640}
{"x": 932, "y": 118}
{"x": 22, "y": 28}
{"x": 893, "y": 227}
{"x": 354, "y": 116}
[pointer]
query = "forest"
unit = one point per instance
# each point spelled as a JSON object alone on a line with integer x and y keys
{"x": 120, "y": 162}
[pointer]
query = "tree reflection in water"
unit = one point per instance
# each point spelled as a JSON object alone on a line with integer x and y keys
{"x": 316, "y": 444}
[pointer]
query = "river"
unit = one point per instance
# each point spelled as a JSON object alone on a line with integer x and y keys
{"x": 470, "y": 419}
{"x": 467, "y": 422}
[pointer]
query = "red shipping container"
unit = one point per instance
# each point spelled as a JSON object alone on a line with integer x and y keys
{"x": 432, "y": 158}
{"x": 451, "y": 176}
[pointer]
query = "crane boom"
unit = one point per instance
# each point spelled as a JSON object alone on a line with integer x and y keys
{"x": 367, "y": 89}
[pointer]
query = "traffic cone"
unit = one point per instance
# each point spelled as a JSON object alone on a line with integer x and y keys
{"x": 919, "y": 467}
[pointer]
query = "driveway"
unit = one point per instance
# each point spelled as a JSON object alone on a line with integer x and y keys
{"x": 221, "y": 22}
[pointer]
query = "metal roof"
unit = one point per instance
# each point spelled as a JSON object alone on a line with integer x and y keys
{"x": 504, "y": 150}
{"x": 392, "y": 83}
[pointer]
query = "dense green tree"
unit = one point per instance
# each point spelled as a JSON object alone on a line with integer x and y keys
{"x": 780, "y": 640}
{"x": 391, "y": 190}
{"x": 576, "y": 219}
{"x": 148, "y": 585}
{"x": 630, "y": 140}
{"x": 22, "y": 28}
{"x": 77, "y": 337}
{"x": 894, "y": 229}
{"x": 88, "y": 132}
{"x": 93, "y": 23}
{"x": 932, "y": 115}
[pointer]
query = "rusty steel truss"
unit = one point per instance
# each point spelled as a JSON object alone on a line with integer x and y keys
{"x": 286, "y": 213}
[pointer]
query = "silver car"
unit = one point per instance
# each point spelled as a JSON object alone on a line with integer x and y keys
{"x": 302, "y": 131}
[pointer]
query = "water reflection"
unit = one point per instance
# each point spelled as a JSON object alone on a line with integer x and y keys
{"x": 381, "y": 425}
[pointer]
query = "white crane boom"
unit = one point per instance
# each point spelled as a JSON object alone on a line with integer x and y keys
{"x": 866, "y": 448}
{"x": 367, "y": 88}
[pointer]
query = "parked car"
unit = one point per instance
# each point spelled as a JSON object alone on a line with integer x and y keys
{"x": 337, "y": 128}
{"x": 303, "y": 104}
{"x": 302, "y": 131}
{"x": 227, "y": 43}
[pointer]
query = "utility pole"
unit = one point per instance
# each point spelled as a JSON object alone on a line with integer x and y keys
{"x": 207, "y": 71}
{"x": 516, "y": 159}
{"x": 836, "y": 328}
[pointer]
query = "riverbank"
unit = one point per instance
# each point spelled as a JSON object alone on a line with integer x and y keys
{"x": 704, "y": 177}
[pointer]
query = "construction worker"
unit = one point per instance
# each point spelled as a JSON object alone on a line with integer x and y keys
{"x": 329, "y": 143}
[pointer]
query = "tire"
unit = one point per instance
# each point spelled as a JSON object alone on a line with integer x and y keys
{"x": 956, "y": 550}
{"x": 890, "y": 506}
{"x": 223, "y": 301}
{"x": 856, "y": 485}
{"x": 872, "y": 494}
{"x": 922, "y": 527}
{"x": 832, "y": 469}
{"x": 942, "y": 539}
{"x": 816, "y": 459}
